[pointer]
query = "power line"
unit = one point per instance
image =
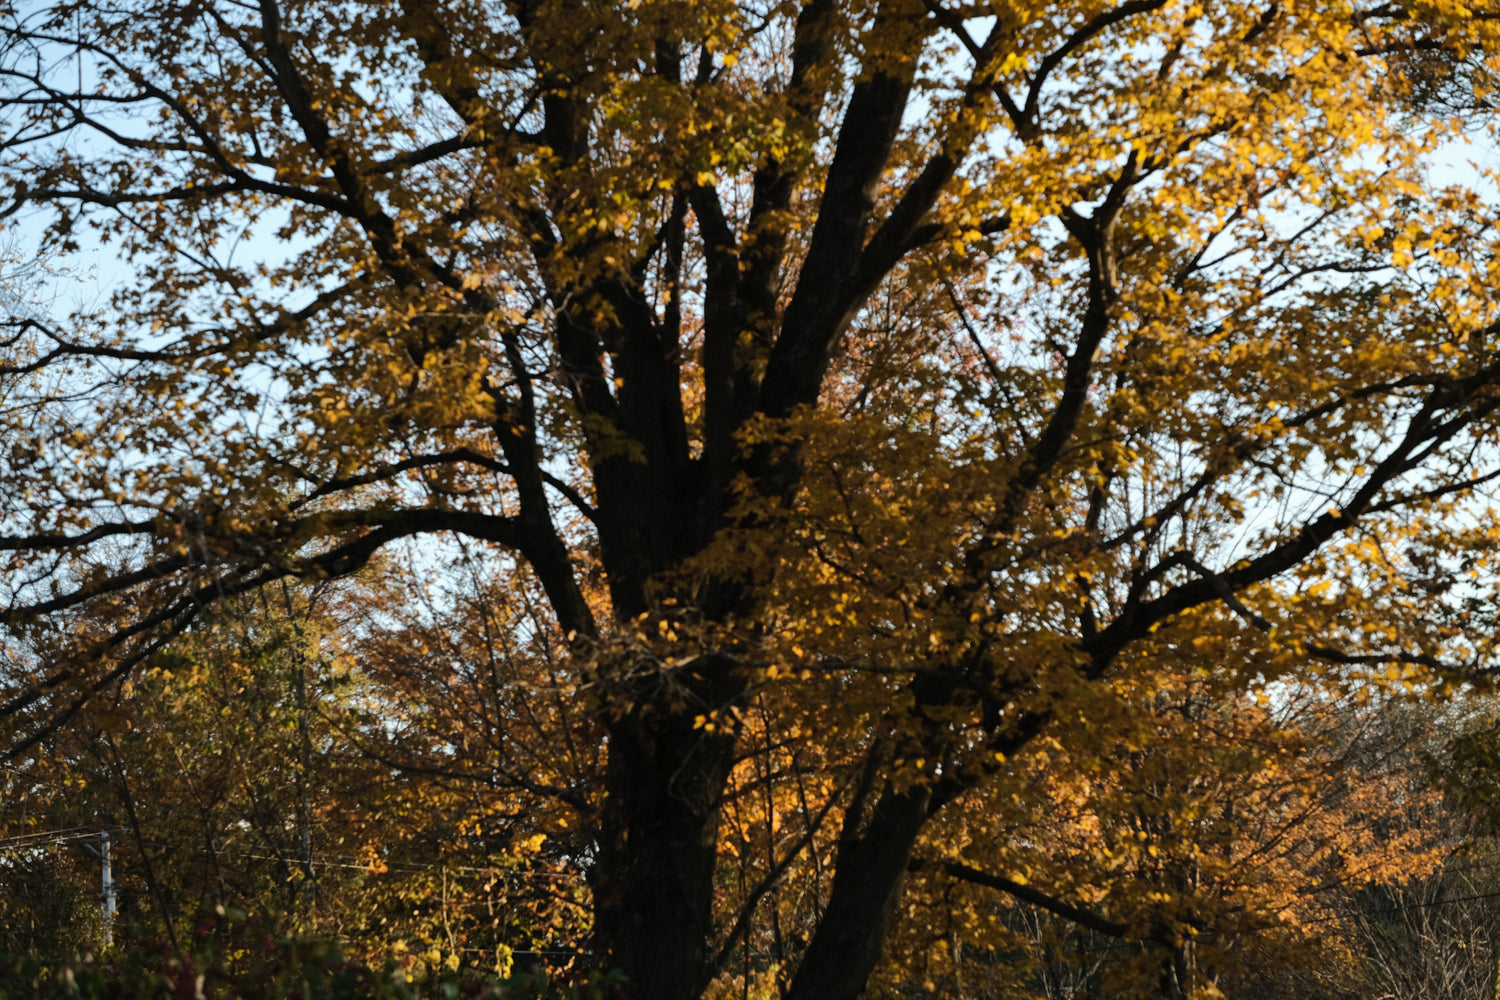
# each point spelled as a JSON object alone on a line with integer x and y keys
{"x": 1403, "y": 907}
{"x": 354, "y": 863}
{"x": 347, "y": 862}
{"x": 53, "y": 838}
{"x": 44, "y": 833}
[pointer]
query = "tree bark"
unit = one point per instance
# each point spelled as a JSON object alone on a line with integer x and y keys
{"x": 653, "y": 878}
{"x": 861, "y": 907}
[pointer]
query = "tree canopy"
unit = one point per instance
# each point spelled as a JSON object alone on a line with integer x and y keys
{"x": 858, "y": 466}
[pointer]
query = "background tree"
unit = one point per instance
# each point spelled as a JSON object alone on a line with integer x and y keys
{"x": 925, "y": 370}
{"x": 1216, "y": 842}
{"x": 235, "y": 772}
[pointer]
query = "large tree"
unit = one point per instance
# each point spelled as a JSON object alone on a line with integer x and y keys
{"x": 885, "y": 385}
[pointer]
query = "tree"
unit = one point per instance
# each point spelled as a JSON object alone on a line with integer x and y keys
{"x": 230, "y": 771}
{"x": 884, "y": 383}
{"x": 1208, "y": 855}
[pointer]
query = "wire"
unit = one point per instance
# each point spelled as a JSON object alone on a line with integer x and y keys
{"x": 352, "y": 862}
{"x": 35, "y": 840}
{"x": 48, "y": 833}
{"x": 1403, "y": 907}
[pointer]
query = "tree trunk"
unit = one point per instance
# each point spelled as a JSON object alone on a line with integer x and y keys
{"x": 653, "y": 879}
{"x": 862, "y": 903}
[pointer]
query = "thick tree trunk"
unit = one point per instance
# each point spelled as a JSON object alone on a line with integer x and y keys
{"x": 653, "y": 879}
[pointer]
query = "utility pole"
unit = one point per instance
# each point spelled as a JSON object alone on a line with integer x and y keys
{"x": 106, "y": 875}
{"x": 109, "y": 889}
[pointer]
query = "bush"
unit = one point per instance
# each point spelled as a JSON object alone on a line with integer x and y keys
{"x": 245, "y": 965}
